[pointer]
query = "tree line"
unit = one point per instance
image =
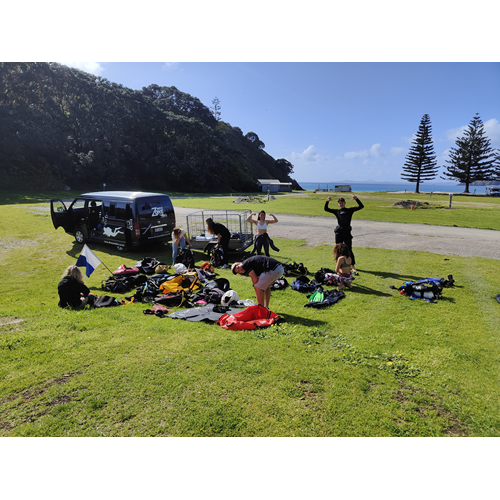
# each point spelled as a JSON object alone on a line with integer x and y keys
{"x": 471, "y": 160}
{"x": 60, "y": 126}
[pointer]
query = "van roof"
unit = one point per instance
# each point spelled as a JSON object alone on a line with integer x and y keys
{"x": 123, "y": 195}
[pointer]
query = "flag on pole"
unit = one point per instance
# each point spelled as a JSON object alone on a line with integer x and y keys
{"x": 88, "y": 259}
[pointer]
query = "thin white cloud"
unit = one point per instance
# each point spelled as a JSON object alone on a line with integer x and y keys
{"x": 374, "y": 152}
{"x": 356, "y": 154}
{"x": 398, "y": 151}
{"x": 308, "y": 155}
{"x": 409, "y": 140}
{"x": 454, "y": 133}
{"x": 171, "y": 65}
{"x": 492, "y": 131}
{"x": 94, "y": 68}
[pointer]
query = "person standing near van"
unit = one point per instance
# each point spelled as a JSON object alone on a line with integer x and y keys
{"x": 344, "y": 217}
{"x": 223, "y": 237}
{"x": 179, "y": 239}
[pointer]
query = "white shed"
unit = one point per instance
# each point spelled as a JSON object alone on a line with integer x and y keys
{"x": 274, "y": 185}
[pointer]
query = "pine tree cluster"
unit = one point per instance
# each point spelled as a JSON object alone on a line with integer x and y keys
{"x": 471, "y": 160}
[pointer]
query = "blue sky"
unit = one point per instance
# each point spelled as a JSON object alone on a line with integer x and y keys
{"x": 334, "y": 121}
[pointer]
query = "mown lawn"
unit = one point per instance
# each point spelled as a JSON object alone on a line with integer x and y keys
{"x": 374, "y": 364}
{"x": 467, "y": 211}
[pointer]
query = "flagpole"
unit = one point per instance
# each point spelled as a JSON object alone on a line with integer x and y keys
{"x": 90, "y": 260}
{"x": 107, "y": 267}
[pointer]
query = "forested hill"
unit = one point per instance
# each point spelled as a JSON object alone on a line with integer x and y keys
{"x": 60, "y": 126}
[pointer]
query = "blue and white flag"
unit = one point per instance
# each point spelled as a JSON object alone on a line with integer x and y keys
{"x": 88, "y": 259}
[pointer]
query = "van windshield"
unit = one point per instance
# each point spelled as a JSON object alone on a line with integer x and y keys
{"x": 157, "y": 206}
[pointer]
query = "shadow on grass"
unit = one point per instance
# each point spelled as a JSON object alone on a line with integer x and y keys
{"x": 297, "y": 320}
{"x": 390, "y": 275}
{"x": 364, "y": 290}
{"x": 159, "y": 251}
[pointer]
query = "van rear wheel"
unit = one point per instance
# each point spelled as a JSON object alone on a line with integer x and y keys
{"x": 79, "y": 236}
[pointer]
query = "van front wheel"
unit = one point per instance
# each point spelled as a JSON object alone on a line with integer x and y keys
{"x": 79, "y": 236}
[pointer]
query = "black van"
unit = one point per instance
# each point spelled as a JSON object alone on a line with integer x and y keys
{"x": 120, "y": 218}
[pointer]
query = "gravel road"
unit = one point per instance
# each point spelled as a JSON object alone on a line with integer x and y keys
{"x": 443, "y": 240}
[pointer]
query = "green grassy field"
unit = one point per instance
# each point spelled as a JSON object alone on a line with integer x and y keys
{"x": 374, "y": 364}
{"x": 467, "y": 211}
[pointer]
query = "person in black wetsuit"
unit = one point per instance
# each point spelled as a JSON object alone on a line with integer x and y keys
{"x": 223, "y": 237}
{"x": 344, "y": 216}
{"x": 72, "y": 290}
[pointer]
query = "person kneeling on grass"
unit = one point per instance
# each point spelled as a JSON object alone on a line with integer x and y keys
{"x": 72, "y": 290}
{"x": 263, "y": 271}
{"x": 343, "y": 267}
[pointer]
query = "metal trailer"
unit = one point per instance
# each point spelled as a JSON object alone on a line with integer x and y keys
{"x": 343, "y": 188}
{"x": 241, "y": 230}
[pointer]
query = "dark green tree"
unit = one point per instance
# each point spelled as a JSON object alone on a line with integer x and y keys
{"x": 61, "y": 126}
{"x": 496, "y": 172}
{"x": 421, "y": 162}
{"x": 177, "y": 102}
{"x": 254, "y": 139}
{"x": 285, "y": 166}
{"x": 472, "y": 159}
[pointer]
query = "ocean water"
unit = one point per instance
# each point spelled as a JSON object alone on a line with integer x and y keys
{"x": 409, "y": 186}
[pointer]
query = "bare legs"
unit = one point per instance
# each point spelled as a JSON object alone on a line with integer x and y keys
{"x": 263, "y": 296}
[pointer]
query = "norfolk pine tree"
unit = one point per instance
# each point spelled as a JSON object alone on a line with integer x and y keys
{"x": 472, "y": 159}
{"x": 496, "y": 171}
{"x": 421, "y": 162}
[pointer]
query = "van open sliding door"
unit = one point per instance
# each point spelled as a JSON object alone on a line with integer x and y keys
{"x": 114, "y": 231}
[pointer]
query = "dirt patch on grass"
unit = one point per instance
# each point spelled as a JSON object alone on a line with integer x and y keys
{"x": 412, "y": 204}
{"x": 8, "y": 244}
{"x": 10, "y": 321}
{"x": 404, "y": 396}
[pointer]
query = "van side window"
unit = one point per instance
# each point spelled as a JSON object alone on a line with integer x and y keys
{"x": 109, "y": 209}
{"x": 115, "y": 210}
{"x": 120, "y": 211}
{"x": 78, "y": 204}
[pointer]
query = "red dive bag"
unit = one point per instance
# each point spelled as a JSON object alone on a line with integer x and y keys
{"x": 249, "y": 319}
{"x": 124, "y": 270}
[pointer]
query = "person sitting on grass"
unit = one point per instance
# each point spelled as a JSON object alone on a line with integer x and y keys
{"x": 343, "y": 268}
{"x": 72, "y": 290}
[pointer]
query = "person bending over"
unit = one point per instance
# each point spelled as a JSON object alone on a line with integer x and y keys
{"x": 223, "y": 236}
{"x": 263, "y": 271}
